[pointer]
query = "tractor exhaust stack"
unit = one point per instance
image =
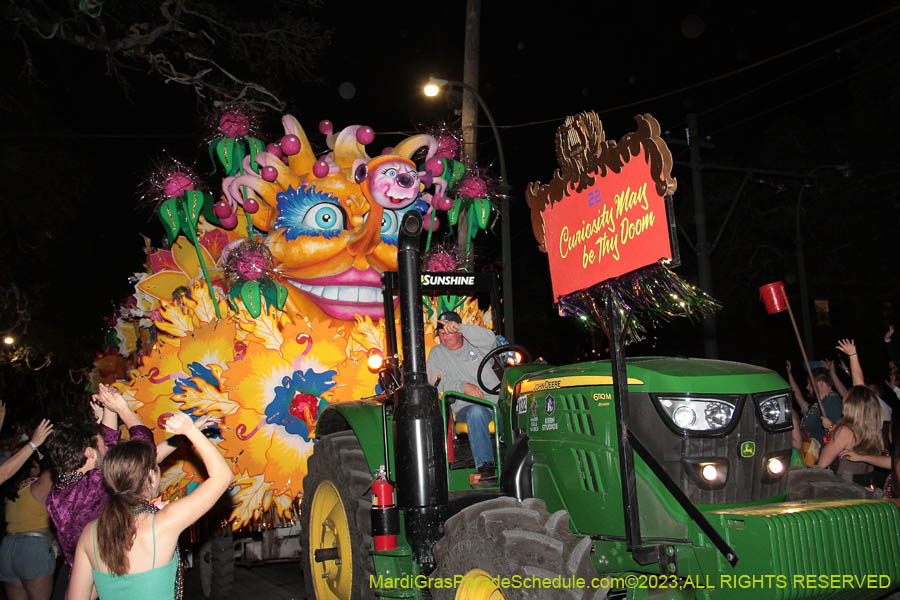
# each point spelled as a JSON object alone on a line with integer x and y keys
{"x": 418, "y": 425}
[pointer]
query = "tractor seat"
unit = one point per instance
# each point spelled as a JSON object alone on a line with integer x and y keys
{"x": 461, "y": 427}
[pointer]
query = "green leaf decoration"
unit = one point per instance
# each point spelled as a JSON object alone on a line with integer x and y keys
{"x": 447, "y": 303}
{"x": 225, "y": 152}
{"x": 256, "y": 146}
{"x": 457, "y": 170}
{"x": 239, "y": 154}
{"x": 268, "y": 290}
{"x": 168, "y": 214}
{"x": 251, "y": 297}
{"x": 482, "y": 209}
{"x": 473, "y": 224}
{"x": 193, "y": 206}
{"x": 183, "y": 219}
{"x": 281, "y": 295}
{"x": 453, "y": 213}
{"x": 209, "y": 213}
{"x": 429, "y": 310}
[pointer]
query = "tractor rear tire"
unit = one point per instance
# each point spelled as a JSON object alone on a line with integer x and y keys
{"x": 503, "y": 537}
{"x": 217, "y": 567}
{"x": 334, "y": 513}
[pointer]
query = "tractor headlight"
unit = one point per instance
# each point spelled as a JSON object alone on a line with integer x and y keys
{"x": 698, "y": 415}
{"x": 774, "y": 410}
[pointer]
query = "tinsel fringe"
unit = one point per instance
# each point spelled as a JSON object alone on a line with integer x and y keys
{"x": 645, "y": 299}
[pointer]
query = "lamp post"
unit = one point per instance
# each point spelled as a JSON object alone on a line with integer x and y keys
{"x": 433, "y": 88}
{"x": 844, "y": 171}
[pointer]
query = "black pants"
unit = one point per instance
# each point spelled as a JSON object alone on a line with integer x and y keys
{"x": 61, "y": 581}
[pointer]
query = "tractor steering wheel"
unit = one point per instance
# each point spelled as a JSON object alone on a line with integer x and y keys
{"x": 494, "y": 354}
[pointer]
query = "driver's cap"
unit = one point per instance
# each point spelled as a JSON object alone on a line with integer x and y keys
{"x": 448, "y": 316}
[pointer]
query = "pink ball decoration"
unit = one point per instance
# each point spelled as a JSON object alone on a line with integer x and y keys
{"x": 234, "y": 124}
{"x": 473, "y": 187}
{"x": 269, "y": 173}
{"x": 387, "y": 150}
{"x": 320, "y": 169}
{"x": 250, "y": 206}
{"x": 441, "y": 262}
{"x": 447, "y": 147}
{"x": 252, "y": 265}
{"x": 431, "y": 221}
{"x": 442, "y": 203}
{"x": 435, "y": 166}
{"x": 222, "y": 210}
{"x": 176, "y": 184}
{"x": 365, "y": 135}
{"x": 229, "y": 222}
{"x": 326, "y": 127}
{"x": 290, "y": 144}
{"x": 275, "y": 150}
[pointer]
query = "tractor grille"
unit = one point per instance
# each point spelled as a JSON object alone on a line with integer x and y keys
{"x": 832, "y": 537}
{"x": 590, "y": 472}
{"x": 746, "y": 481}
{"x": 578, "y": 414}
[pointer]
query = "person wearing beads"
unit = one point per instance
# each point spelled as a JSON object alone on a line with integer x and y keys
{"x": 131, "y": 551}
{"x": 76, "y": 453}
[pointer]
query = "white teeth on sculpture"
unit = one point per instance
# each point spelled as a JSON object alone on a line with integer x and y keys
{"x": 368, "y": 295}
{"x": 342, "y": 293}
{"x": 348, "y": 294}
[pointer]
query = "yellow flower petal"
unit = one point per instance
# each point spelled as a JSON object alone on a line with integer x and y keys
{"x": 185, "y": 256}
{"x": 161, "y": 285}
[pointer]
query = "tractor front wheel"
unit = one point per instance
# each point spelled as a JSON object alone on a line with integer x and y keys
{"x": 521, "y": 541}
{"x": 335, "y": 520}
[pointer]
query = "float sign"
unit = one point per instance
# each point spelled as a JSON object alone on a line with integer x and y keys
{"x": 615, "y": 226}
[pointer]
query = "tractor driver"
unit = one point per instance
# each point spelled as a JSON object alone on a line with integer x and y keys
{"x": 454, "y": 362}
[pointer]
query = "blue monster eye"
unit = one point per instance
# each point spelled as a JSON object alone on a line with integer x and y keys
{"x": 392, "y": 173}
{"x": 390, "y": 224}
{"x": 324, "y": 217}
{"x": 307, "y": 211}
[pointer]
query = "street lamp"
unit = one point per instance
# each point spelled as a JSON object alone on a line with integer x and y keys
{"x": 9, "y": 340}
{"x": 432, "y": 88}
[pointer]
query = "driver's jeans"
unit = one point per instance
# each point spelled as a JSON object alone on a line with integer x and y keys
{"x": 478, "y": 419}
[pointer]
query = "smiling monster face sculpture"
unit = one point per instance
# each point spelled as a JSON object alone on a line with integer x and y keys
{"x": 332, "y": 222}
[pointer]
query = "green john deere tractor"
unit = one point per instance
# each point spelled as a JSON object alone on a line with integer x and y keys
{"x": 672, "y": 487}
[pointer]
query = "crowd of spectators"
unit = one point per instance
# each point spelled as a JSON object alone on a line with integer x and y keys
{"x": 79, "y": 505}
{"x": 844, "y": 422}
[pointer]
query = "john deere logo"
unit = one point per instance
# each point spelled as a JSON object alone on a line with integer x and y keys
{"x": 748, "y": 449}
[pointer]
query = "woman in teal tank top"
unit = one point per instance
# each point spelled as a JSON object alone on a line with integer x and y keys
{"x": 131, "y": 551}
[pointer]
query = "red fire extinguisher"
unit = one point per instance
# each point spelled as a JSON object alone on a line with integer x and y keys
{"x": 385, "y": 517}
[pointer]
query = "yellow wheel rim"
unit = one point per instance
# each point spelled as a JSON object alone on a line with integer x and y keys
{"x": 478, "y": 585}
{"x": 328, "y": 528}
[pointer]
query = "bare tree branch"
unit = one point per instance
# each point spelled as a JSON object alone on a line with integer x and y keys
{"x": 211, "y": 47}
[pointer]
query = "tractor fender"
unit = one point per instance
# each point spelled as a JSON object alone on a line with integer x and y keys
{"x": 363, "y": 418}
{"x": 516, "y": 478}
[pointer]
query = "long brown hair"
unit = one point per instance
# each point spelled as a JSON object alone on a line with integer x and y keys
{"x": 126, "y": 472}
{"x": 862, "y": 414}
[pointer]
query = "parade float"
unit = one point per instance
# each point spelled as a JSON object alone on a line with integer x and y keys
{"x": 264, "y": 303}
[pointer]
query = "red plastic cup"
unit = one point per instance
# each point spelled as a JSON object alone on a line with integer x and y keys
{"x": 773, "y": 297}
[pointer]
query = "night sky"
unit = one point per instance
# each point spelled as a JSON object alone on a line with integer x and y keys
{"x": 784, "y": 90}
